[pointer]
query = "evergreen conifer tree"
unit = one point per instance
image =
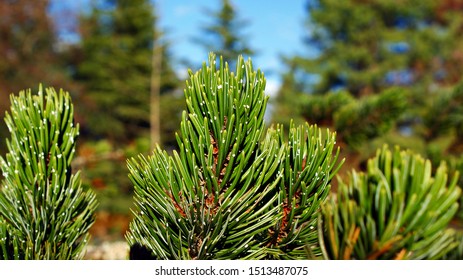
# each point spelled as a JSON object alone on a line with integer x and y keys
{"x": 223, "y": 36}
{"x": 116, "y": 51}
{"x": 365, "y": 48}
{"x": 114, "y": 67}
{"x": 45, "y": 213}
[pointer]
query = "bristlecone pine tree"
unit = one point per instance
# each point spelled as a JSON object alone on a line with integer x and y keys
{"x": 397, "y": 209}
{"x": 45, "y": 213}
{"x": 231, "y": 191}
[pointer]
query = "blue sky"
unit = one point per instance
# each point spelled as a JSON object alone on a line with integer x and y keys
{"x": 275, "y": 28}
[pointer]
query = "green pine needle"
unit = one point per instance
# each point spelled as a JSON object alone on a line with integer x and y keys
{"x": 398, "y": 209}
{"x": 231, "y": 192}
{"x": 45, "y": 213}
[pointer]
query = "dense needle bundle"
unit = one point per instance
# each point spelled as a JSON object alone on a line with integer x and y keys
{"x": 231, "y": 192}
{"x": 45, "y": 213}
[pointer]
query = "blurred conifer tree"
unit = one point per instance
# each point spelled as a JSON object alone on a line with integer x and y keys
{"x": 357, "y": 51}
{"x": 223, "y": 34}
{"x": 115, "y": 70}
{"x": 113, "y": 62}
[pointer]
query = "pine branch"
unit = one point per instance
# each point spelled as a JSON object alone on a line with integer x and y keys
{"x": 45, "y": 213}
{"x": 398, "y": 208}
{"x": 230, "y": 192}
{"x": 373, "y": 116}
{"x": 306, "y": 171}
{"x": 195, "y": 205}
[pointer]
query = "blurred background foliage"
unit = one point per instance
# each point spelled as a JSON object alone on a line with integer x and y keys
{"x": 383, "y": 72}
